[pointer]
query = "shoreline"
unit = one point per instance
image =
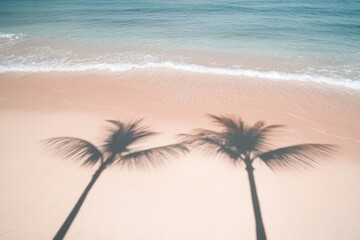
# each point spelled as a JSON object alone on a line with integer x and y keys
{"x": 47, "y": 55}
{"x": 240, "y": 71}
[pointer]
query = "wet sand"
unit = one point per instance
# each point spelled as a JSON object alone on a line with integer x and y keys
{"x": 194, "y": 197}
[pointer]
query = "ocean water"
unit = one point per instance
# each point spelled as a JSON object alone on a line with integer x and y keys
{"x": 299, "y": 40}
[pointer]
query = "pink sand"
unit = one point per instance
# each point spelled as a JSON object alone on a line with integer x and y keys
{"x": 194, "y": 197}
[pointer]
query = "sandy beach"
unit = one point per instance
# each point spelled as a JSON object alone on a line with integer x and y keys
{"x": 193, "y": 197}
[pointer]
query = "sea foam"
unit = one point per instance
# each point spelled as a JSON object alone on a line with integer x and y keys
{"x": 194, "y": 68}
{"x": 11, "y": 36}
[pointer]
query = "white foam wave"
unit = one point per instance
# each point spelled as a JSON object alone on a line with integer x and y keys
{"x": 11, "y": 36}
{"x": 121, "y": 67}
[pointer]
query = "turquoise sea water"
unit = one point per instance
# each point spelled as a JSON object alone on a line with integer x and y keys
{"x": 287, "y": 40}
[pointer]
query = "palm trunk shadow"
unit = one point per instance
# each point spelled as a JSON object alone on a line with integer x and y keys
{"x": 260, "y": 229}
{"x": 66, "y": 225}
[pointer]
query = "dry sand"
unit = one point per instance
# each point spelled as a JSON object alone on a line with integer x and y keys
{"x": 194, "y": 197}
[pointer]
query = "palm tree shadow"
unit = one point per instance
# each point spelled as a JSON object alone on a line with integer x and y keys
{"x": 244, "y": 144}
{"x": 117, "y": 149}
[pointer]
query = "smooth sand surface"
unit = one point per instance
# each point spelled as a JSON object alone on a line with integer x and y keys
{"x": 193, "y": 197}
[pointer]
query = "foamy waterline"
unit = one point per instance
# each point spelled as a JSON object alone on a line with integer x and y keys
{"x": 11, "y": 36}
{"x": 122, "y": 67}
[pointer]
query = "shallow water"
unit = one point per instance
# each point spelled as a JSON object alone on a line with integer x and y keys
{"x": 284, "y": 40}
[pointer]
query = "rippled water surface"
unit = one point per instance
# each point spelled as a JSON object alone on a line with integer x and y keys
{"x": 295, "y": 40}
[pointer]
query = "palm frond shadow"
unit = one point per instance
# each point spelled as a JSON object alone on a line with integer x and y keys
{"x": 298, "y": 156}
{"x": 236, "y": 140}
{"x": 156, "y": 155}
{"x": 74, "y": 149}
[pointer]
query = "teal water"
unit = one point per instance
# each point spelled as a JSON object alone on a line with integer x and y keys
{"x": 293, "y": 39}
